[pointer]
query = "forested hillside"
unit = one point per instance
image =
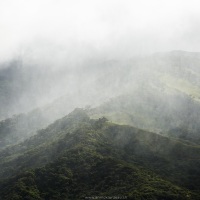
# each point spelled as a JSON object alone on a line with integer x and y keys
{"x": 76, "y": 157}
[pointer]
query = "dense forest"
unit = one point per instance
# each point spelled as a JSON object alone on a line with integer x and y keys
{"x": 76, "y": 157}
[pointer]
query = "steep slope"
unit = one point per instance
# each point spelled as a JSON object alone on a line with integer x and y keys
{"x": 77, "y": 157}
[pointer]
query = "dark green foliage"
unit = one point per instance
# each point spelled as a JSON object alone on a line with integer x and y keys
{"x": 83, "y": 174}
{"x": 77, "y": 157}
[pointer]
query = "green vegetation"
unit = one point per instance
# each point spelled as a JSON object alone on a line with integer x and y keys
{"x": 77, "y": 157}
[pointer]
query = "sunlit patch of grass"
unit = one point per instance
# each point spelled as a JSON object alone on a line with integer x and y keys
{"x": 182, "y": 86}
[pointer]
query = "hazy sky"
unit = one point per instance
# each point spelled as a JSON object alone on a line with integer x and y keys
{"x": 113, "y": 27}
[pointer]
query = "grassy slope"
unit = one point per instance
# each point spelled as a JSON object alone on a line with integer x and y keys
{"x": 182, "y": 85}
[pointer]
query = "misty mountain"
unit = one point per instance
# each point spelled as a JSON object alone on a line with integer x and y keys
{"x": 22, "y": 126}
{"x": 159, "y": 92}
{"x": 140, "y": 116}
{"x": 99, "y": 100}
{"x": 165, "y": 99}
{"x": 76, "y": 157}
{"x": 175, "y": 115}
{"x": 26, "y": 86}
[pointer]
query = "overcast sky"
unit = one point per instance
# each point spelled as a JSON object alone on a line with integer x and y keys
{"x": 113, "y": 27}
